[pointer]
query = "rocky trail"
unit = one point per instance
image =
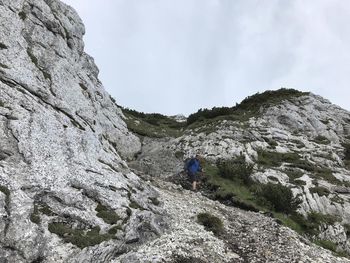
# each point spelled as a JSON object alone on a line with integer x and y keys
{"x": 247, "y": 236}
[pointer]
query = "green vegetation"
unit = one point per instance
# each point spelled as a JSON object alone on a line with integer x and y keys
{"x": 40, "y": 208}
{"x": 22, "y": 15}
{"x": 235, "y": 169}
{"x": 311, "y": 224}
{"x": 179, "y": 155}
{"x": 79, "y": 237}
{"x": 34, "y": 216}
{"x": 230, "y": 183}
{"x": 114, "y": 229}
{"x": 275, "y": 159}
{"x": 248, "y": 108}
{"x": 3, "y": 66}
{"x": 272, "y": 143}
{"x": 3, "y": 46}
{"x": 227, "y": 190}
{"x": 321, "y": 140}
{"x": 278, "y": 197}
{"x": 273, "y": 198}
{"x": 32, "y": 57}
{"x": 299, "y": 144}
{"x": 107, "y": 214}
{"x": 321, "y": 191}
{"x": 211, "y": 223}
{"x": 6, "y": 192}
{"x": 135, "y": 205}
{"x": 152, "y": 125}
{"x": 294, "y": 175}
{"x": 158, "y": 126}
{"x": 182, "y": 259}
{"x": 327, "y": 244}
{"x": 347, "y": 154}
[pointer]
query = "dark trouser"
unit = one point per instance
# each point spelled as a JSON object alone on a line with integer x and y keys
{"x": 193, "y": 177}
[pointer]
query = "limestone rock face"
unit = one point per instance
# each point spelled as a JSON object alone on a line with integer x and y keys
{"x": 64, "y": 184}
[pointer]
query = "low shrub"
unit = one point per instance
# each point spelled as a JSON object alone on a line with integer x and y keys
{"x": 321, "y": 140}
{"x": 321, "y": 191}
{"x": 275, "y": 159}
{"x": 249, "y": 107}
{"x": 235, "y": 169}
{"x": 211, "y": 223}
{"x": 347, "y": 154}
{"x": 327, "y": 244}
{"x": 278, "y": 196}
{"x": 107, "y": 214}
{"x": 80, "y": 237}
{"x": 311, "y": 224}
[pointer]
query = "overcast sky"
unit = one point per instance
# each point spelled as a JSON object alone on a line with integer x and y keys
{"x": 176, "y": 56}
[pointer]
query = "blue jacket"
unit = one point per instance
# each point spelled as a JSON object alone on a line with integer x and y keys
{"x": 193, "y": 166}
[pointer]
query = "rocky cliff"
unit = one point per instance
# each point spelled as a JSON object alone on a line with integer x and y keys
{"x": 67, "y": 193}
{"x": 64, "y": 184}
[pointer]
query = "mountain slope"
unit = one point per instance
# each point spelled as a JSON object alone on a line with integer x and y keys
{"x": 301, "y": 142}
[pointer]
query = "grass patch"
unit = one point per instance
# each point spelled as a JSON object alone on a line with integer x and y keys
{"x": 22, "y": 15}
{"x": 275, "y": 159}
{"x": 278, "y": 197}
{"x": 179, "y": 154}
{"x": 113, "y": 230}
{"x": 144, "y": 128}
{"x": 310, "y": 225}
{"x": 346, "y": 154}
{"x": 79, "y": 237}
{"x": 3, "y": 46}
{"x": 330, "y": 245}
{"x": 327, "y": 244}
{"x": 327, "y": 175}
{"x": 321, "y": 191}
{"x": 3, "y": 66}
{"x": 107, "y": 214}
{"x": 32, "y": 57}
{"x": 225, "y": 189}
{"x": 294, "y": 175}
{"x": 135, "y": 205}
{"x": 34, "y": 216}
{"x": 6, "y": 192}
{"x": 211, "y": 223}
{"x": 321, "y": 140}
{"x": 40, "y": 208}
{"x": 235, "y": 169}
{"x": 298, "y": 144}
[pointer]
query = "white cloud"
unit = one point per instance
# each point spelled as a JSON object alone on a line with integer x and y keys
{"x": 177, "y": 56}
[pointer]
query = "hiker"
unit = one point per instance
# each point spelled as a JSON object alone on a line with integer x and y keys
{"x": 193, "y": 167}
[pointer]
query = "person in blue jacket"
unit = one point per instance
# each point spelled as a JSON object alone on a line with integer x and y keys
{"x": 193, "y": 167}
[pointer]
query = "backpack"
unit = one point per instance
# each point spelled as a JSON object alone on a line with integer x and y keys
{"x": 193, "y": 165}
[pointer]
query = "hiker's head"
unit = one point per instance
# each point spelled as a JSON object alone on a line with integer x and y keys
{"x": 197, "y": 156}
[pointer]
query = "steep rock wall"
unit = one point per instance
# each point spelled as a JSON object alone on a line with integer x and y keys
{"x": 62, "y": 146}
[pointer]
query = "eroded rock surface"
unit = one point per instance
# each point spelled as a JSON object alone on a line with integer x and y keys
{"x": 62, "y": 146}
